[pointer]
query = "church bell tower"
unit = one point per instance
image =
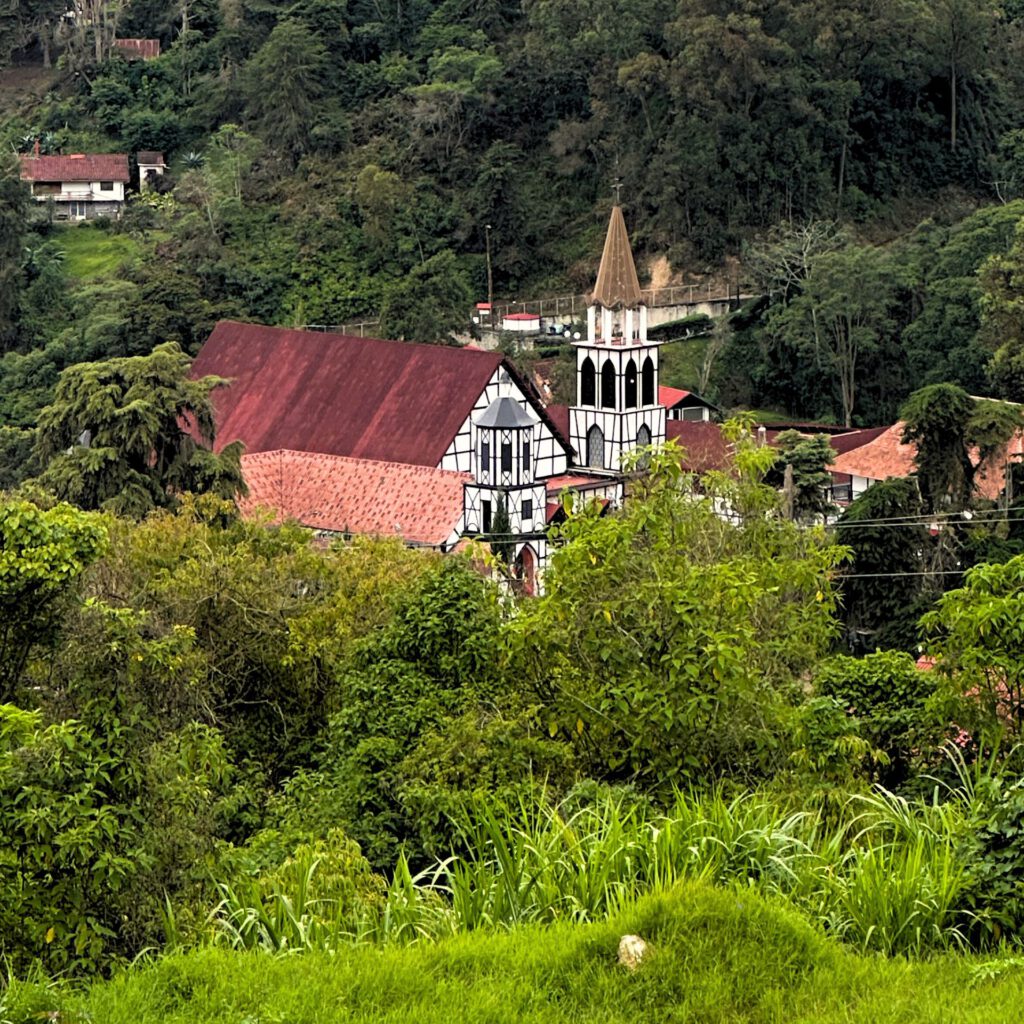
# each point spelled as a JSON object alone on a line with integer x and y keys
{"x": 617, "y": 407}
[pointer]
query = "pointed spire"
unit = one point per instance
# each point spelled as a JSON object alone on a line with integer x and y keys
{"x": 617, "y": 283}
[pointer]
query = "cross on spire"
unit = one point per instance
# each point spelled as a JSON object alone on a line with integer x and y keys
{"x": 617, "y": 189}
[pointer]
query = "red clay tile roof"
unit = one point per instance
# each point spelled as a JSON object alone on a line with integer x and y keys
{"x": 79, "y": 167}
{"x": 576, "y": 480}
{"x": 360, "y": 397}
{"x": 327, "y": 492}
{"x": 886, "y": 456}
{"x": 880, "y": 458}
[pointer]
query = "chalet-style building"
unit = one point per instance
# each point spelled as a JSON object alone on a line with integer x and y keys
{"x": 686, "y": 405}
{"x": 880, "y": 453}
{"x": 432, "y": 443}
{"x": 80, "y": 186}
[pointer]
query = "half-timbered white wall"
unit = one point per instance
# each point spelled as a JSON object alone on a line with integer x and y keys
{"x": 475, "y": 496}
{"x": 549, "y": 458}
{"x": 620, "y": 424}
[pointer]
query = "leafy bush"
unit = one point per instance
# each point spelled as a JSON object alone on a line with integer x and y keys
{"x": 889, "y": 698}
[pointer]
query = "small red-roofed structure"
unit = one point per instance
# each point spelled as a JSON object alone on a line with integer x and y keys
{"x": 137, "y": 49}
{"x": 684, "y": 405}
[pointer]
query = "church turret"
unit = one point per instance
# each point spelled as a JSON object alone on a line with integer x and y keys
{"x": 617, "y": 407}
{"x": 505, "y": 437}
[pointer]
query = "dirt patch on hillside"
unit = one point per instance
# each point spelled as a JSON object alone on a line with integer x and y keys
{"x": 721, "y": 280}
{"x": 22, "y": 86}
{"x": 660, "y": 271}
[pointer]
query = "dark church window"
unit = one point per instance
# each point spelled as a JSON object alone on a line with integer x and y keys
{"x": 526, "y": 456}
{"x": 595, "y": 447}
{"x": 487, "y": 516}
{"x": 647, "y": 385}
{"x": 643, "y": 439}
{"x": 631, "y": 385}
{"x": 527, "y": 509}
{"x": 485, "y": 458}
{"x": 607, "y": 385}
{"x": 588, "y": 383}
{"x": 506, "y": 457}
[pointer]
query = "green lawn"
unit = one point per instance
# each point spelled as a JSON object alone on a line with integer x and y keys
{"x": 716, "y": 956}
{"x": 680, "y": 363}
{"x": 91, "y": 253}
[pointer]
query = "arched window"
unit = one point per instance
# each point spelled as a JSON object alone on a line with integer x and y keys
{"x": 631, "y": 385}
{"x": 595, "y": 447}
{"x": 643, "y": 440}
{"x": 647, "y": 384}
{"x": 607, "y": 385}
{"x": 588, "y": 383}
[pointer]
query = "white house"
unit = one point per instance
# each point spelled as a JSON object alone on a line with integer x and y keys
{"x": 80, "y": 186}
{"x": 151, "y": 166}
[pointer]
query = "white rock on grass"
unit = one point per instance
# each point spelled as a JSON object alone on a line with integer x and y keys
{"x": 632, "y": 949}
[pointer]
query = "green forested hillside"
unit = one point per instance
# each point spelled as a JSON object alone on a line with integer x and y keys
{"x": 338, "y": 161}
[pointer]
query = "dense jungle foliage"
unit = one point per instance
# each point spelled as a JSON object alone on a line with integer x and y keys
{"x": 223, "y": 733}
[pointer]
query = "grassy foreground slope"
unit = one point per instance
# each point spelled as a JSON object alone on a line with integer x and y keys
{"x": 716, "y": 956}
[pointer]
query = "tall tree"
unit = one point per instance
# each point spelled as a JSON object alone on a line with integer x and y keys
{"x": 282, "y": 84}
{"x": 14, "y": 203}
{"x": 956, "y": 438}
{"x": 115, "y": 435}
{"x": 841, "y": 314}
{"x": 961, "y": 32}
{"x": 890, "y": 546}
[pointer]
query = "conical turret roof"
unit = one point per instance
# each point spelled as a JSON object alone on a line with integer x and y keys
{"x": 617, "y": 283}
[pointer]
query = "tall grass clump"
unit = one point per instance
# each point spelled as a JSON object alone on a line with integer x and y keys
{"x": 886, "y": 875}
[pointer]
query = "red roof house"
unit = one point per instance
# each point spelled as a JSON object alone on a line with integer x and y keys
{"x": 885, "y": 455}
{"x": 79, "y": 185}
{"x": 684, "y": 405}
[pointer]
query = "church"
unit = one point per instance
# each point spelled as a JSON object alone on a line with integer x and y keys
{"x": 430, "y": 443}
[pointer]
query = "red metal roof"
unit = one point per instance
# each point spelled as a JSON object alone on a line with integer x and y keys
{"x": 702, "y": 442}
{"x": 522, "y": 316}
{"x": 339, "y": 395}
{"x": 841, "y": 443}
{"x": 78, "y": 167}
{"x": 669, "y": 396}
{"x": 559, "y": 417}
{"x": 146, "y": 49}
{"x": 421, "y": 504}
